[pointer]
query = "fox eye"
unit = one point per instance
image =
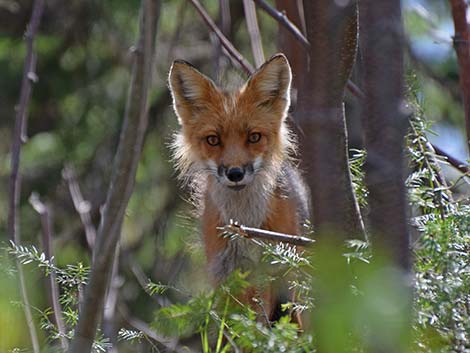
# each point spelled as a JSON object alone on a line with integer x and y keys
{"x": 254, "y": 137}
{"x": 213, "y": 140}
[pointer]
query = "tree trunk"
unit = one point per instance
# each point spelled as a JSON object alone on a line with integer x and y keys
{"x": 385, "y": 126}
{"x": 385, "y": 123}
{"x": 332, "y": 33}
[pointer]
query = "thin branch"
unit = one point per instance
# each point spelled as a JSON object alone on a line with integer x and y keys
{"x": 253, "y": 32}
{"x": 233, "y": 52}
{"x": 455, "y": 162}
{"x": 109, "y": 312}
{"x": 122, "y": 181}
{"x": 19, "y": 136}
{"x": 462, "y": 49}
{"x": 45, "y": 214}
{"x": 263, "y": 234}
{"x": 282, "y": 19}
{"x": 81, "y": 206}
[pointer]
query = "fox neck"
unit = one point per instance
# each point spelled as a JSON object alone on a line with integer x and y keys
{"x": 248, "y": 206}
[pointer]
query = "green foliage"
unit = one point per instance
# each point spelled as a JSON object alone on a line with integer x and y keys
{"x": 426, "y": 188}
{"x": 356, "y": 164}
{"x": 443, "y": 283}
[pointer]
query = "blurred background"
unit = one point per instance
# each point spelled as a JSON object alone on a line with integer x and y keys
{"x": 76, "y": 111}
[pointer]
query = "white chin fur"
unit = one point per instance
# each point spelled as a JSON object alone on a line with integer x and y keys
{"x": 249, "y": 205}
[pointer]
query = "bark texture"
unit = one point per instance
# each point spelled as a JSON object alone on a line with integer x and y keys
{"x": 332, "y": 34}
{"x": 385, "y": 127}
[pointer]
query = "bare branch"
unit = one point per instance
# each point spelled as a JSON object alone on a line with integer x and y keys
{"x": 81, "y": 206}
{"x": 46, "y": 222}
{"x": 122, "y": 181}
{"x": 19, "y": 136}
{"x": 455, "y": 162}
{"x": 282, "y": 19}
{"x": 234, "y": 53}
{"x": 462, "y": 49}
{"x": 263, "y": 234}
{"x": 253, "y": 32}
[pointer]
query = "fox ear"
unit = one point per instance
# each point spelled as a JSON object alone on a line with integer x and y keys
{"x": 189, "y": 88}
{"x": 270, "y": 84}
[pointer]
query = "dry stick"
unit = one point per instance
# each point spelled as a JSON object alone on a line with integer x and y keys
{"x": 53, "y": 289}
{"x": 81, "y": 206}
{"x": 462, "y": 49}
{"x": 253, "y": 32}
{"x": 263, "y": 234}
{"x": 19, "y": 136}
{"x": 122, "y": 182}
{"x": 234, "y": 53}
{"x": 455, "y": 162}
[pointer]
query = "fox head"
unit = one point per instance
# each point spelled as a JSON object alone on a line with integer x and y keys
{"x": 233, "y": 136}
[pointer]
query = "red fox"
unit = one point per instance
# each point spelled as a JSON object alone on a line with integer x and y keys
{"x": 235, "y": 148}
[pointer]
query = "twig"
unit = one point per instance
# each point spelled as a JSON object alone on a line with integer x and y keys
{"x": 81, "y": 206}
{"x": 455, "y": 162}
{"x": 19, "y": 136}
{"x": 122, "y": 181}
{"x": 249, "y": 232}
{"x": 282, "y": 19}
{"x": 462, "y": 49}
{"x": 53, "y": 289}
{"x": 111, "y": 299}
{"x": 253, "y": 32}
{"x": 233, "y": 52}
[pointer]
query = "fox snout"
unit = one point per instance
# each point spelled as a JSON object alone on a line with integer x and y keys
{"x": 236, "y": 176}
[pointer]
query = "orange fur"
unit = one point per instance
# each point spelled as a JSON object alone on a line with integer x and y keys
{"x": 234, "y": 148}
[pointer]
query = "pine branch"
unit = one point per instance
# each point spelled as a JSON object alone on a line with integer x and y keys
{"x": 122, "y": 181}
{"x": 44, "y": 213}
{"x": 19, "y": 137}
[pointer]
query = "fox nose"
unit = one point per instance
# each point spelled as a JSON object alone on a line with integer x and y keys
{"x": 235, "y": 174}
